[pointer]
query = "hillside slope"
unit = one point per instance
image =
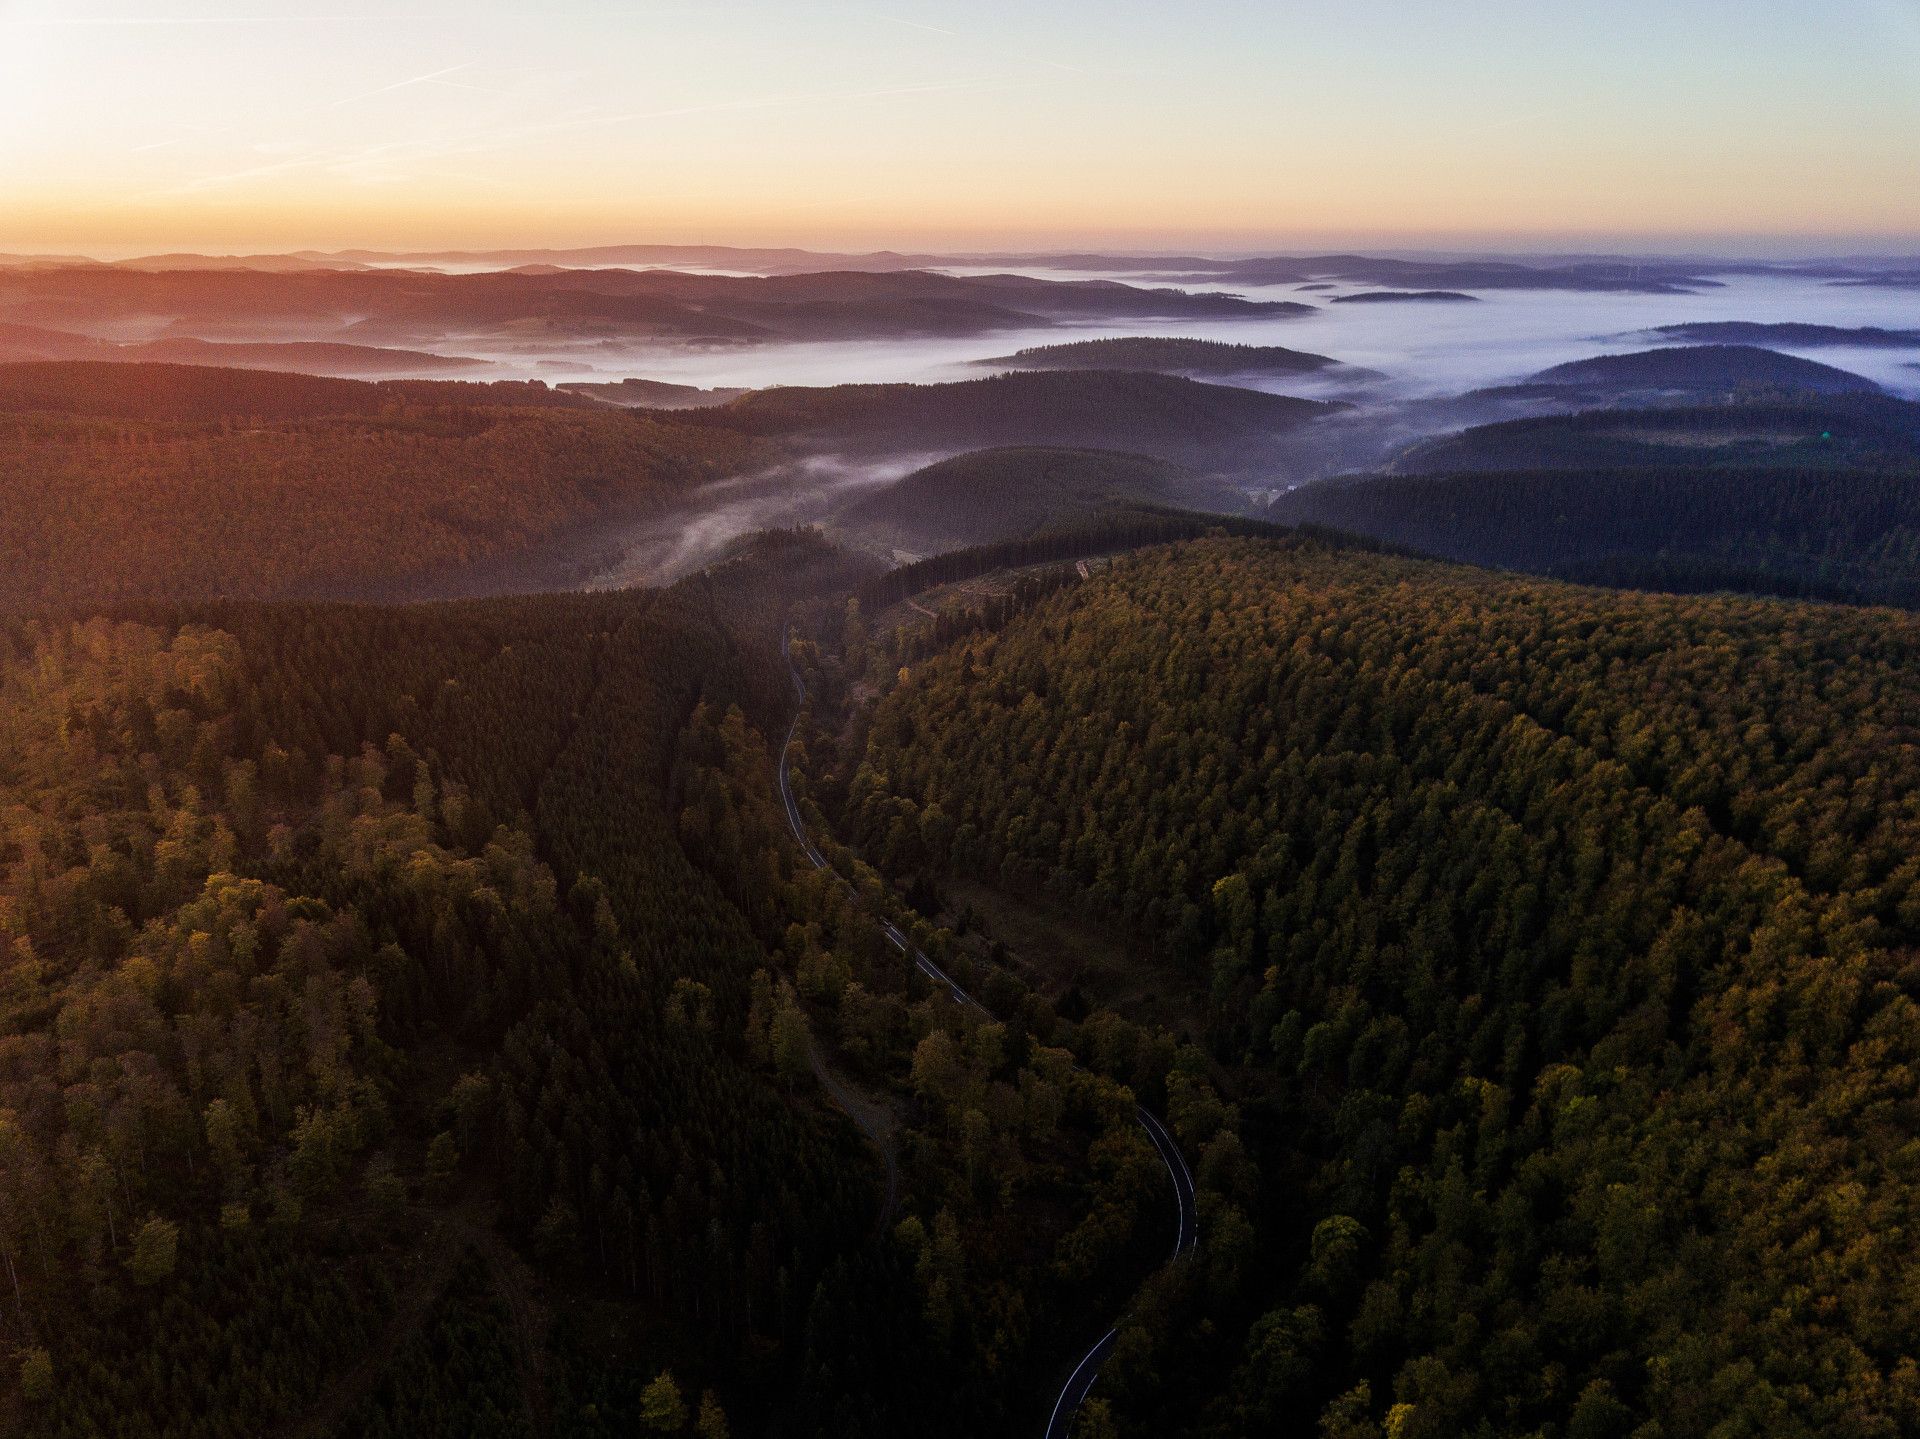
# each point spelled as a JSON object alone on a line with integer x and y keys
{"x": 1196, "y": 359}
{"x": 1696, "y": 369}
{"x": 1832, "y": 533}
{"x": 1560, "y": 944}
{"x": 420, "y": 308}
{"x": 1162, "y": 415}
{"x": 989, "y": 495}
{"x": 1866, "y": 431}
{"x": 131, "y": 482}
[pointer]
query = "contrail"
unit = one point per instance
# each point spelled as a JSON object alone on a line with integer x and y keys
{"x": 917, "y": 25}
{"x": 426, "y": 150}
{"x": 765, "y": 102}
{"x": 400, "y": 85}
{"x": 434, "y": 77}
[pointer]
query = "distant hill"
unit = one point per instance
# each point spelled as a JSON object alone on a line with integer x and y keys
{"x": 1751, "y": 332}
{"x": 1710, "y": 369}
{"x": 1415, "y": 297}
{"x": 1407, "y": 274}
{"x": 415, "y": 309}
{"x": 1831, "y": 534}
{"x": 198, "y": 392}
{"x": 308, "y": 357}
{"x": 1162, "y": 415}
{"x": 651, "y": 394}
{"x": 178, "y": 392}
{"x": 1839, "y": 430}
{"x": 1000, "y": 494}
{"x": 1193, "y": 358}
{"x": 32, "y": 342}
{"x": 1563, "y": 940}
{"x": 148, "y": 482}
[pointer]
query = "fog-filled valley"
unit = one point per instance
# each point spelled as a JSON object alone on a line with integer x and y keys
{"x": 818, "y": 846}
{"x": 1390, "y": 376}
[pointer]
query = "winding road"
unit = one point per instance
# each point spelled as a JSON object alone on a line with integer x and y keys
{"x": 1187, "y": 1230}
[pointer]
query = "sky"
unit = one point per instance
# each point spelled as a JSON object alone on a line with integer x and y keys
{"x": 231, "y": 125}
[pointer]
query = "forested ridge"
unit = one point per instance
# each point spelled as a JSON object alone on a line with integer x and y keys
{"x": 1718, "y": 369}
{"x": 1163, "y": 415}
{"x": 301, "y": 980}
{"x": 1168, "y": 354}
{"x": 1794, "y": 432}
{"x": 1829, "y": 532}
{"x": 1009, "y": 494}
{"x": 133, "y": 482}
{"x": 1559, "y": 945}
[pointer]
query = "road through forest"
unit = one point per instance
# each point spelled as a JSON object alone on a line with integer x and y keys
{"x": 1187, "y": 1232}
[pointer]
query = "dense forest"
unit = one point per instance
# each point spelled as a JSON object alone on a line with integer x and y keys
{"x": 988, "y": 495}
{"x": 421, "y": 1019}
{"x": 312, "y": 357}
{"x": 1167, "y": 355}
{"x": 205, "y": 393}
{"x": 1792, "y": 333}
{"x": 1553, "y": 950}
{"x": 1405, "y": 297}
{"x": 419, "y": 308}
{"x": 1167, "y": 416}
{"x": 1711, "y": 369}
{"x": 1828, "y": 533}
{"x": 651, "y": 394}
{"x": 436, "y": 990}
{"x": 129, "y": 482}
{"x": 1799, "y": 432}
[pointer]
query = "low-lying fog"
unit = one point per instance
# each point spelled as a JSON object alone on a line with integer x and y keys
{"x": 670, "y": 546}
{"x": 1423, "y": 349}
{"x": 1422, "y": 354}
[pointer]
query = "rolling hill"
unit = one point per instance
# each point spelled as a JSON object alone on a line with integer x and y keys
{"x": 420, "y": 309}
{"x": 641, "y": 394}
{"x": 1831, "y": 533}
{"x": 1196, "y": 359}
{"x": 1163, "y": 415}
{"x": 1405, "y": 297}
{"x": 1860, "y": 430}
{"x": 202, "y": 392}
{"x": 989, "y": 495}
{"x": 1794, "y": 335}
{"x": 1554, "y": 944}
{"x": 1687, "y": 369}
{"x": 133, "y": 482}
{"x": 32, "y": 342}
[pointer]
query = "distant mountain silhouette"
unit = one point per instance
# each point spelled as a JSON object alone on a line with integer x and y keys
{"x": 1166, "y": 356}
{"x": 412, "y": 308}
{"x": 1418, "y": 297}
{"x": 1162, "y": 415}
{"x": 1799, "y": 335}
{"x": 1824, "y": 431}
{"x": 1687, "y": 369}
{"x": 307, "y": 357}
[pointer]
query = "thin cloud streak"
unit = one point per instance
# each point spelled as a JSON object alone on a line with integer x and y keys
{"x": 400, "y": 85}
{"x": 426, "y": 150}
{"x": 917, "y": 25}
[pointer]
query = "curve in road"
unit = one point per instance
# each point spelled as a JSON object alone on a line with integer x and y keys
{"x": 1187, "y": 1232}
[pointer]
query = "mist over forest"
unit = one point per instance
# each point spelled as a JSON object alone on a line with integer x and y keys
{"x": 792, "y": 722}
